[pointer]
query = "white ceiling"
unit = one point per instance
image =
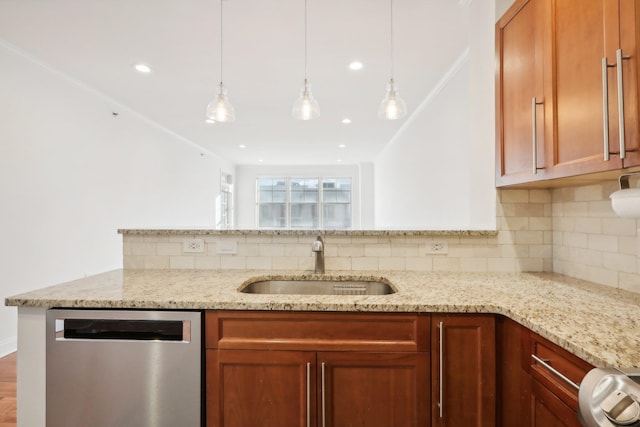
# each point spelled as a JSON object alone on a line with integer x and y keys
{"x": 96, "y": 42}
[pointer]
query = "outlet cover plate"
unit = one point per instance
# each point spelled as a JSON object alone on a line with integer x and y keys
{"x": 191, "y": 246}
{"x": 437, "y": 248}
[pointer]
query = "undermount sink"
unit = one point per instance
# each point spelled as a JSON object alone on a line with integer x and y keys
{"x": 318, "y": 287}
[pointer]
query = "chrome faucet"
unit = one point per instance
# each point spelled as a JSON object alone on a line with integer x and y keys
{"x": 318, "y": 248}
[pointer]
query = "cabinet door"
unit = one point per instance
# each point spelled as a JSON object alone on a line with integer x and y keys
{"x": 463, "y": 370}
{"x": 575, "y": 80}
{"x": 260, "y": 388}
{"x": 373, "y": 389}
{"x": 629, "y": 34}
{"x": 549, "y": 411}
{"x": 520, "y": 104}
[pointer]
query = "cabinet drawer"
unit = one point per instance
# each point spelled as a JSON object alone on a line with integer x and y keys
{"x": 317, "y": 331}
{"x": 548, "y": 364}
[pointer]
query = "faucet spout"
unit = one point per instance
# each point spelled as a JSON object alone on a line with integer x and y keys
{"x": 318, "y": 248}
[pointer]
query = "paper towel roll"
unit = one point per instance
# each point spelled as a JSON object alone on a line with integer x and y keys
{"x": 626, "y": 203}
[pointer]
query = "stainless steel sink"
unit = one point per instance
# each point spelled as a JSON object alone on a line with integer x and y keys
{"x": 318, "y": 287}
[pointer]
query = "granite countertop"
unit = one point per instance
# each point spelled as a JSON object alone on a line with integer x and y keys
{"x": 597, "y": 323}
{"x": 283, "y": 232}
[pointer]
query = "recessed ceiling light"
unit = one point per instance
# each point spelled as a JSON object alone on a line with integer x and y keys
{"x": 142, "y": 68}
{"x": 260, "y": 160}
{"x": 210, "y": 121}
{"x": 339, "y": 160}
{"x": 342, "y": 146}
{"x": 346, "y": 121}
{"x": 355, "y": 65}
{"x": 242, "y": 146}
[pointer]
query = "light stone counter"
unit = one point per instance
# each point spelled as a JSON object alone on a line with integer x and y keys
{"x": 597, "y": 323}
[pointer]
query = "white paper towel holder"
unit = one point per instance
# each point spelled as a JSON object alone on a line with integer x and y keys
{"x": 626, "y": 201}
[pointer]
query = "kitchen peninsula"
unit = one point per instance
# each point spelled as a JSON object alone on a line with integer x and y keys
{"x": 597, "y": 324}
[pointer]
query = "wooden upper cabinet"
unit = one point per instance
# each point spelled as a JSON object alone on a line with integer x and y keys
{"x": 520, "y": 142}
{"x": 571, "y": 66}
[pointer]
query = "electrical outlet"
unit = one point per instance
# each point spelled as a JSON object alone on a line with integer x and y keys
{"x": 437, "y": 248}
{"x": 193, "y": 246}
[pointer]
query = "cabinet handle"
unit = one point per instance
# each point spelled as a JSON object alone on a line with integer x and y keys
{"x": 323, "y": 394}
{"x": 441, "y": 367}
{"x": 534, "y": 133}
{"x": 308, "y": 394}
{"x": 605, "y": 107}
{"x": 555, "y": 371}
{"x": 619, "y": 59}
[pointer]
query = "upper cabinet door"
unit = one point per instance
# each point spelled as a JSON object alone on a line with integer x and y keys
{"x": 580, "y": 77}
{"x": 629, "y": 23}
{"x": 520, "y": 105}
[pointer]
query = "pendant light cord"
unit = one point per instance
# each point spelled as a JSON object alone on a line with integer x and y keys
{"x": 305, "y": 41}
{"x": 391, "y": 38}
{"x": 221, "y": 44}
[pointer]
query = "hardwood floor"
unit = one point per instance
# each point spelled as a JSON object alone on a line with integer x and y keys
{"x": 8, "y": 391}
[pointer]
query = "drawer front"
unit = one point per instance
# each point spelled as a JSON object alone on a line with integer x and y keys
{"x": 317, "y": 331}
{"x": 556, "y": 369}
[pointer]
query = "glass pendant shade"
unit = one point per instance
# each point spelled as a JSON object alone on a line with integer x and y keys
{"x": 306, "y": 107}
{"x": 220, "y": 109}
{"x": 392, "y": 106}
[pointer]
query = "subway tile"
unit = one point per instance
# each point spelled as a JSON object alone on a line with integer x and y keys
{"x": 169, "y": 248}
{"x": 619, "y": 226}
{"x": 602, "y": 276}
{"x": 351, "y": 250}
{"x": 364, "y": 263}
{"x": 248, "y": 250}
{"x": 529, "y": 209}
{"x": 600, "y": 209}
{"x": 563, "y": 223}
{"x": 141, "y": 248}
{"x": 233, "y": 262}
{"x": 418, "y": 264}
{"x": 306, "y": 264}
{"x": 540, "y": 223}
{"x": 514, "y": 251}
{"x": 378, "y": 250}
{"x": 392, "y": 263}
{"x": 285, "y": 263}
{"x": 588, "y": 225}
{"x": 260, "y": 239}
{"x": 530, "y": 264}
{"x": 340, "y": 263}
{"x": 258, "y": 263}
{"x": 603, "y": 242}
{"x": 541, "y": 251}
{"x": 404, "y": 250}
{"x": 588, "y": 193}
{"x": 272, "y": 249}
{"x": 575, "y": 240}
{"x": 156, "y": 262}
{"x": 513, "y": 196}
{"x": 446, "y": 264}
{"x": 529, "y": 237}
{"x": 133, "y": 262}
{"x": 474, "y": 265}
{"x": 540, "y": 196}
{"x": 502, "y": 265}
{"x": 575, "y": 209}
{"x": 207, "y": 263}
{"x": 182, "y": 262}
{"x": 629, "y": 282}
{"x": 514, "y": 224}
{"x": 298, "y": 249}
{"x": 620, "y": 262}
{"x": 493, "y": 251}
{"x": 628, "y": 245}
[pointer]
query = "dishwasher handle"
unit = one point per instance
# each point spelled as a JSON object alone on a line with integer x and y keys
{"x": 125, "y": 330}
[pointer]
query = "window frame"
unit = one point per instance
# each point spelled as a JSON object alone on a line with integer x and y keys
{"x": 288, "y": 201}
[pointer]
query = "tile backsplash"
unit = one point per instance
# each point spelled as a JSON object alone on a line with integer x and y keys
{"x": 570, "y": 230}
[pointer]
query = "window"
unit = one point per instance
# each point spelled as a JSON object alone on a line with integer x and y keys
{"x": 225, "y": 208}
{"x": 304, "y": 203}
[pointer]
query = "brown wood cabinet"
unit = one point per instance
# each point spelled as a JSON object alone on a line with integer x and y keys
{"x": 554, "y": 375}
{"x": 522, "y": 127}
{"x": 463, "y": 355}
{"x": 573, "y": 64}
{"x": 317, "y": 369}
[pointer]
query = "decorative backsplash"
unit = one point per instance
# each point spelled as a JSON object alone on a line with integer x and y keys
{"x": 570, "y": 230}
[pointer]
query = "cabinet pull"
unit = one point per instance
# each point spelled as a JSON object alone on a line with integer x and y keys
{"x": 534, "y": 133}
{"x": 555, "y": 371}
{"x": 619, "y": 59}
{"x": 441, "y": 367}
{"x": 323, "y": 399}
{"x": 308, "y": 394}
{"x": 605, "y": 107}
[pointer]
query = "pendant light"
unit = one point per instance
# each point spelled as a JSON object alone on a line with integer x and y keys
{"x": 392, "y": 106}
{"x": 220, "y": 109}
{"x": 305, "y": 107}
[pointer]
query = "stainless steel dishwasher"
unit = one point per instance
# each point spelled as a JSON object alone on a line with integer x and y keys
{"x": 125, "y": 368}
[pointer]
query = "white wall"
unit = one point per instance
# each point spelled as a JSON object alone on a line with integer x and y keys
{"x": 245, "y": 188}
{"x": 71, "y": 174}
{"x": 443, "y": 155}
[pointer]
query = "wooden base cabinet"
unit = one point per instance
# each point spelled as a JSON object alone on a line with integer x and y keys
{"x": 344, "y": 372}
{"x": 463, "y": 355}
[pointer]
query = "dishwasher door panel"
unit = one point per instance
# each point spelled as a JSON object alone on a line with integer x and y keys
{"x": 124, "y": 368}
